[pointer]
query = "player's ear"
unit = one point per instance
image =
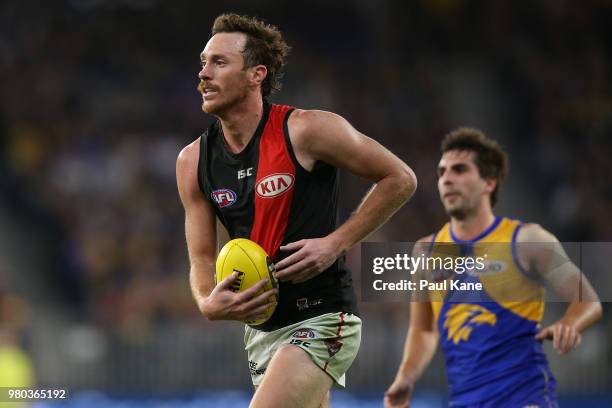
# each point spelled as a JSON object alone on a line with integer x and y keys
{"x": 490, "y": 184}
{"x": 257, "y": 74}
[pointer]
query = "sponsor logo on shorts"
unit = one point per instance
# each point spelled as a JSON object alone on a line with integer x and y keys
{"x": 333, "y": 346}
{"x": 300, "y": 342}
{"x": 224, "y": 197}
{"x": 304, "y": 333}
{"x": 274, "y": 185}
{"x": 254, "y": 370}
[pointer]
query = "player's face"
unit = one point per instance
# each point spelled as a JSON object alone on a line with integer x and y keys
{"x": 223, "y": 80}
{"x": 462, "y": 189}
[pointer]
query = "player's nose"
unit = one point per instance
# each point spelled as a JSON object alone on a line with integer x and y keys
{"x": 204, "y": 73}
{"x": 446, "y": 179}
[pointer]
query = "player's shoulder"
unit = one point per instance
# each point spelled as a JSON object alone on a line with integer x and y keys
{"x": 187, "y": 173}
{"x": 426, "y": 239}
{"x": 306, "y": 120}
{"x": 310, "y": 128}
{"x": 308, "y": 115}
{"x": 533, "y": 232}
{"x": 423, "y": 245}
{"x": 189, "y": 155}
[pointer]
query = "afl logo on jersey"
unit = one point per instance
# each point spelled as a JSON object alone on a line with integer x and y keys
{"x": 224, "y": 197}
{"x": 274, "y": 185}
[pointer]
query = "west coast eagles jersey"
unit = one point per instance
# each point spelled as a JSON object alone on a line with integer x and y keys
{"x": 488, "y": 338}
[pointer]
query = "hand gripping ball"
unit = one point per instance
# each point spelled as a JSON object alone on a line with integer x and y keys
{"x": 252, "y": 264}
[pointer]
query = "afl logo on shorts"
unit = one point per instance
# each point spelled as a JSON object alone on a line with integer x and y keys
{"x": 304, "y": 333}
{"x": 224, "y": 197}
{"x": 274, "y": 185}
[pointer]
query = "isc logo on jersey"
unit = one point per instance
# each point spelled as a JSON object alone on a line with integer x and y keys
{"x": 274, "y": 185}
{"x": 224, "y": 197}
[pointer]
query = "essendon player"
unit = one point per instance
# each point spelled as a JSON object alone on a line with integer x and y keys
{"x": 270, "y": 173}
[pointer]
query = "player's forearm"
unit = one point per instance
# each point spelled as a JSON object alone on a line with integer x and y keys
{"x": 419, "y": 349}
{"x": 582, "y": 315}
{"x": 381, "y": 202}
{"x": 201, "y": 282}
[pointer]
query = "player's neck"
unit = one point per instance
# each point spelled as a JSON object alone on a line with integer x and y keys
{"x": 472, "y": 226}
{"x": 240, "y": 123}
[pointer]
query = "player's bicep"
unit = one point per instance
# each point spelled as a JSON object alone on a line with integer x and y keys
{"x": 200, "y": 231}
{"x": 200, "y": 220}
{"x": 545, "y": 257}
{"x": 332, "y": 139}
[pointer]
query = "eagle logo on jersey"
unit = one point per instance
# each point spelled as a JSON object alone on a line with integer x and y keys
{"x": 462, "y": 318}
{"x": 274, "y": 185}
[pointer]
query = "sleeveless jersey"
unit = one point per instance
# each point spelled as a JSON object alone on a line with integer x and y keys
{"x": 265, "y": 195}
{"x": 488, "y": 340}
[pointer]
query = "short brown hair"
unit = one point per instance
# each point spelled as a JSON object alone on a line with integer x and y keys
{"x": 264, "y": 46}
{"x": 490, "y": 158}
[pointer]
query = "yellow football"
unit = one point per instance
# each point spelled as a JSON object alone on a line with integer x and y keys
{"x": 252, "y": 264}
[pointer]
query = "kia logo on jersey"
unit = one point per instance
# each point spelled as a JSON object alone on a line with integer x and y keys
{"x": 224, "y": 197}
{"x": 274, "y": 185}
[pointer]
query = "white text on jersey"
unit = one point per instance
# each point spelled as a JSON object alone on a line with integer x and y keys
{"x": 245, "y": 173}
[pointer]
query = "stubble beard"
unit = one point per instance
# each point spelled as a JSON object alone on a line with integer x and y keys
{"x": 461, "y": 212}
{"x": 457, "y": 213}
{"x": 220, "y": 110}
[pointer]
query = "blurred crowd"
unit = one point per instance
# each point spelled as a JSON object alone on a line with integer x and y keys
{"x": 98, "y": 97}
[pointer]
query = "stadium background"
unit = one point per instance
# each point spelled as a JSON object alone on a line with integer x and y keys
{"x": 98, "y": 96}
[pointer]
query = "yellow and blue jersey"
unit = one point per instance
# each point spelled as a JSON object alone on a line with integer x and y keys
{"x": 488, "y": 339}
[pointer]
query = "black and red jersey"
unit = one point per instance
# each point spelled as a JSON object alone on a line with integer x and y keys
{"x": 265, "y": 195}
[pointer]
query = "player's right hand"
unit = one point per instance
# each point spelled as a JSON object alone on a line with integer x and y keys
{"x": 225, "y": 304}
{"x": 399, "y": 393}
{"x": 565, "y": 337}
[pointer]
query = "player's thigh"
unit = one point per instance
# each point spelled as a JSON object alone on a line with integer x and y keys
{"x": 292, "y": 380}
{"x": 324, "y": 403}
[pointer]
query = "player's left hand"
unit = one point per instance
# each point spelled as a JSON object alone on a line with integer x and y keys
{"x": 311, "y": 257}
{"x": 564, "y": 336}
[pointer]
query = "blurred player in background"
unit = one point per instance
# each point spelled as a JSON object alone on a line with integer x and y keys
{"x": 270, "y": 173}
{"x": 16, "y": 368}
{"x": 492, "y": 346}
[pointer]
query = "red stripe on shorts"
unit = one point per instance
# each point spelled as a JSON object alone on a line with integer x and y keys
{"x": 340, "y": 325}
{"x": 338, "y": 332}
